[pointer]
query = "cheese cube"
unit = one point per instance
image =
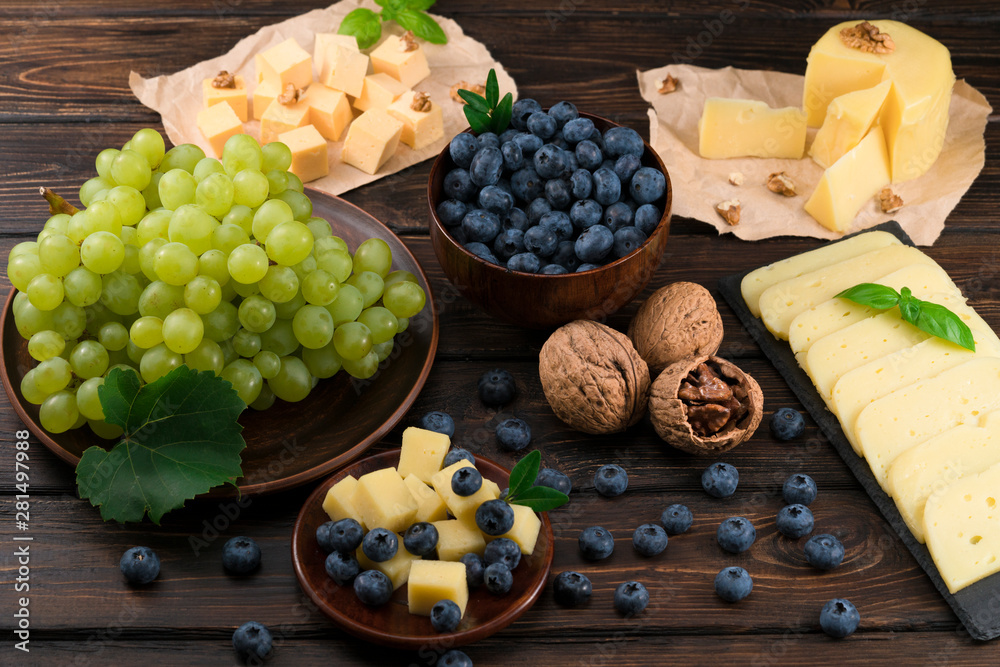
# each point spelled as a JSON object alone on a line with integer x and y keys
{"x": 340, "y": 63}
{"x": 383, "y": 501}
{"x": 430, "y": 507}
{"x": 217, "y": 123}
{"x": 526, "y": 528}
{"x": 329, "y": 110}
{"x": 279, "y": 118}
{"x": 456, "y": 538}
{"x": 848, "y": 119}
{"x": 492, "y": 486}
{"x": 309, "y": 152}
{"x": 747, "y": 128}
{"x": 420, "y": 128}
{"x": 422, "y": 453}
{"x": 434, "y": 580}
{"x": 850, "y": 183}
{"x": 396, "y": 568}
{"x": 371, "y": 140}
{"x": 407, "y": 67}
{"x": 378, "y": 92}
{"x": 339, "y": 501}
{"x": 286, "y": 63}
{"x": 461, "y": 507}
{"x": 263, "y": 95}
{"x": 234, "y": 97}
{"x": 258, "y": 67}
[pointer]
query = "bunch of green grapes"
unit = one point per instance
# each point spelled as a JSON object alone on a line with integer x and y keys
{"x": 179, "y": 258}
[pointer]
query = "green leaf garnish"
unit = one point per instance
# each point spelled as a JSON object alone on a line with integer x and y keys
{"x": 488, "y": 113}
{"x": 366, "y": 25}
{"x": 492, "y": 89}
{"x": 931, "y": 318}
{"x": 181, "y": 439}
{"x": 541, "y": 498}
{"x": 522, "y": 477}
{"x": 523, "y": 491}
{"x": 422, "y": 25}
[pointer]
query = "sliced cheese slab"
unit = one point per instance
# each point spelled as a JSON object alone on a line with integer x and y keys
{"x": 756, "y": 282}
{"x": 781, "y": 303}
{"x": 962, "y": 526}
{"x": 909, "y": 416}
{"x": 931, "y": 468}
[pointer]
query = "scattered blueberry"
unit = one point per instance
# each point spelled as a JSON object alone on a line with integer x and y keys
{"x": 720, "y": 480}
{"x": 596, "y": 543}
{"x": 421, "y": 538}
{"x": 647, "y": 185}
{"x": 799, "y": 489}
{"x": 240, "y": 555}
{"x": 252, "y": 640}
{"x": 794, "y": 521}
{"x": 611, "y": 480}
{"x": 454, "y": 657}
{"x": 631, "y": 598}
{"x": 736, "y": 534}
{"x": 380, "y": 545}
{"x": 649, "y": 539}
{"x": 324, "y": 537}
{"x": 676, "y": 519}
{"x": 373, "y": 588}
{"x": 466, "y": 481}
{"x": 140, "y": 565}
{"x": 462, "y": 149}
{"x": 513, "y": 434}
{"x": 342, "y": 567}
{"x": 439, "y": 422}
{"x": 824, "y": 552}
{"x": 456, "y": 454}
{"x": 494, "y": 517}
{"x": 445, "y": 616}
{"x": 571, "y": 588}
{"x": 733, "y": 584}
{"x": 839, "y": 618}
{"x": 787, "y": 423}
{"x": 345, "y": 535}
{"x": 474, "y": 569}
{"x": 498, "y": 578}
{"x": 497, "y": 387}
{"x": 502, "y": 550}
{"x": 554, "y": 479}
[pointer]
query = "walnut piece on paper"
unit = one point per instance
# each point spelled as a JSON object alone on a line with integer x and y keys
{"x": 477, "y": 88}
{"x": 736, "y": 178}
{"x": 224, "y": 79}
{"x": 667, "y": 84}
{"x": 781, "y": 183}
{"x": 291, "y": 94}
{"x": 408, "y": 42}
{"x": 730, "y": 211}
{"x": 421, "y": 102}
{"x": 889, "y": 200}
{"x": 868, "y": 38}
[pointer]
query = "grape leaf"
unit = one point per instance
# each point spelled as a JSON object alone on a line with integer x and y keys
{"x": 181, "y": 439}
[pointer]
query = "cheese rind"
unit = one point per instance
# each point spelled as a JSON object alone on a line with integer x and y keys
{"x": 235, "y": 97}
{"x": 371, "y": 140}
{"x": 407, "y": 67}
{"x": 310, "y": 154}
{"x": 432, "y": 581}
{"x": 340, "y": 63}
{"x": 731, "y": 128}
{"x": 848, "y": 119}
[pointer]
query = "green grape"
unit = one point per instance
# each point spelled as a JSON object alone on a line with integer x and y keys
{"x": 226, "y": 237}
{"x": 102, "y": 216}
{"x": 20, "y": 298}
{"x": 287, "y": 310}
{"x": 57, "y": 223}
{"x": 59, "y": 413}
{"x": 213, "y": 263}
{"x": 320, "y": 288}
{"x": 404, "y": 324}
{"x": 105, "y": 430}
{"x": 45, "y": 291}
{"x": 58, "y": 255}
{"x": 277, "y": 182}
{"x": 399, "y": 276}
{"x": 113, "y": 336}
{"x": 363, "y": 368}
{"x": 279, "y": 339}
{"x": 265, "y": 400}
{"x": 102, "y": 252}
{"x": 246, "y": 343}
{"x": 369, "y": 284}
{"x": 353, "y": 341}
{"x": 228, "y": 353}
{"x": 157, "y": 362}
{"x": 228, "y": 292}
{"x": 131, "y": 264}
{"x": 383, "y": 324}
{"x": 215, "y": 194}
{"x": 256, "y": 314}
{"x": 29, "y": 389}
{"x": 383, "y": 350}
{"x": 148, "y": 143}
{"x": 185, "y": 156}
{"x": 319, "y": 227}
{"x": 87, "y": 399}
{"x": 294, "y": 183}
{"x": 77, "y": 227}
{"x": 202, "y": 294}
{"x": 147, "y": 257}
{"x": 241, "y": 152}
{"x": 270, "y": 214}
{"x": 82, "y": 287}
{"x": 53, "y": 375}
{"x": 69, "y": 320}
{"x": 130, "y": 204}
{"x": 293, "y": 381}
{"x": 305, "y": 267}
{"x": 121, "y": 293}
{"x": 29, "y": 320}
{"x": 104, "y": 160}
{"x": 183, "y": 329}
{"x": 151, "y": 193}
{"x": 91, "y": 188}
{"x": 155, "y": 225}
{"x": 45, "y": 345}
{"x": 373, "y": 255}
{"x": 313, "y": 326}
{"x": 347, "y": 306}
{"x": 323, "y": 362}
{"x": 268, "y": 364}
{"x": 130, "y": 237}
{"x": 177, "y": 187}
{"x": 276, "y": 156}
{"x": 250, "y": 187}
{"x": 337, "y": 263}
{"x": 207, "y": 356}
{"x": 330, "y": 242}
{"x": 146, "y": 332}
{"x": 193, "y": 227}
{"x": 404, "y": 299}
{"x": 134, "y": 352}
{"x": 206, "y": 167}
{"x": 279, "y": 284}
{"x": 24, "y": 248}
{"x": 245, "y": 378}
{"x": 222, "y": 323}
{"x": 159, "y": 299}
{"x": 89, "y": 359}
{"x": 175, "y": 264}
{"x": 247, "y": 263}
{"x": 241, "y": 216}
{"x": 245, "y": 289}
{"x": 130, "y": 168}
{"x": 299, "y": 203}
{"x": 21, "y": 269}
{"x": 289, "y": 243}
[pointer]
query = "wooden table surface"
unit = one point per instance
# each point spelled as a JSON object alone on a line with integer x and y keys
{"x": 64, "y": 96}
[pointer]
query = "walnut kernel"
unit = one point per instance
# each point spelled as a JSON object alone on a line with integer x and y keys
{"x": 730, "y": 211}
{"x": 781, "y": 183}
{"x": 736, "y": 178}
{"x": 421, "y": 102}
{"x": 291, "y": 94}
{"x": 477, "y": 88}
{"x": 224, "y": 79}
{"x": 889, "y": 200}
{"x": 408, "y": 42}
{"x": 667, "y": 84}
{"x": 868, "y": 38}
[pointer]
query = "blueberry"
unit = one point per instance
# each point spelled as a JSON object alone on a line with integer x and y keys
{"x": 487, "y": 166}
{"x": 596, "y": 543}
{"x": 342, "y": 567}
{"x": 558, "y": 222}
{"x": 559, "y": 193}
{"x": 617, "y": 216}
{"x": 577, "y": 130}
{"x": 513, "y": 434}
{"x": 504, "y": 184}
{"x": 554, "y": 479}
{"x": 420, "y": 539}
{"x": 824, "y": 552}
{"x": 563, "y": 112}
{"x": 454, "y": 657}
{"x": 456, "y": 454}
{"x": 736, "y": 534}
{"x": 839, "y": 618}
{"x": 611, "y": 480}
{"x": 324, "y": 537}
{"x": 458, "y": 185}
{"x": 649, "y": 539}
{"x": 496, "y": 200}
{"x": 466, "y": 481}
{"x": 631, "y": 598}
{"x": 627, "y": 241}
{"x": 541, "y": 240}
{"x": 140, "y": 565}
{"x": 525, "y": 262}
{"x": 521, "y": 110}
{"x": 516, "y": 218}
{"x": 626, "y": 166}
{"x": 495, "y": 517}
{"x": 459, "y": 235}
{"x": 451, "y": 212}
{"x": 794, "y": 521}
{"x": 787, "y": 423}
{"x": 554, "y": 270}
{"x": 620, "y": 141}
{"x": 799, "y": 489}
{"x": 528, "y": 143}
{"x": 498, "y": 578}
{"x": 508, "y": 243}
{"x": 488, "y": 139}
{"x": 581, "y": 184}
{"x": 240, "y": 555}
{"x": 513, "y": 157}
{"x": 569, "y": 157}
{"x": 607, "y": 186}
{"x": 565, "y": 256}
{"x": 536, "y": 209}
{"x": 439, "y": 422}
{"x": 588, "y": 155}
{"x": 720, "y": 480}
{"x": 481, "y": 226}
{"x": 571, "y": 589}
{"x": 527, "y": 184}
{"x": 733, "y": 584}
{"x": 549, "y": 161}
{"x": 252, "y": 640}
{"x": 462, "y": 148}
{"x": 445, "y": 616}
{"x": 474, "y": 569}
{"x": 542, "y": 125}
{"x": 373, "y": 588}
{"x": 380, "y": 545}
{"x": 481, "y": 250}
{"x": 497, "y": 387}
{"x": 647, "y": 185}
{"x": 676, "y": 519}
{"x": 502, "y": 550}
{"x": 587, "y": 266}
{"x": 594, "y": 244}
{"x": 559, "y": 141}
{"x": 586, "y": 213}
{"x": 646, "y": 218}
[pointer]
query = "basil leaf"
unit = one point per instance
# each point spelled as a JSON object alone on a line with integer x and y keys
{"x": 909, "y": 307}
{"x": 938, "y": 321}
{"x": 422, "y": 25}
{"x": 871, "y": 294}
{"x": 420, "y": 4}
{"x": 492, "y": 89}
{"x": 522, "y": 477}
{"x": 478, "y": 121}
{"x": 477, "y": 102}
{"x": 500, "y": 118}
{"x": 541, "y": 498}
{"x": 364, "y": 24}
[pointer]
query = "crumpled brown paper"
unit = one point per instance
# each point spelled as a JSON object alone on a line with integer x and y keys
{"x": 700, "y": 184}
{"x": 177, "y": 97}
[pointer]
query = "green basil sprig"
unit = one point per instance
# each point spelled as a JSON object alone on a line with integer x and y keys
{"x": 488, "y": 113}
{"x": 366, "y": 25}
{"x": 523, "y": 491}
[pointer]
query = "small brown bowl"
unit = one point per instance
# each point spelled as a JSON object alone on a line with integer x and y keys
{"x": 547, "y": 301}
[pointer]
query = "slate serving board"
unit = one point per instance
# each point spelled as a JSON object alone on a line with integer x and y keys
{"x": 977, "y": 606}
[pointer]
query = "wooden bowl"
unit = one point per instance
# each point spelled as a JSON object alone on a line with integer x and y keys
{"x": 392, "y": 624}
{"x": 290, "y": 443}
{"x": 543, "y": 301}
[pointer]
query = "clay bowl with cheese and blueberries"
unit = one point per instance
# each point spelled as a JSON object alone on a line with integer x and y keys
{"x": 542, "y": 231}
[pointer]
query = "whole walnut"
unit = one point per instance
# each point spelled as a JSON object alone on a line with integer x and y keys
{"x": 676, "y": 322}
{"x": 593, "y": 378}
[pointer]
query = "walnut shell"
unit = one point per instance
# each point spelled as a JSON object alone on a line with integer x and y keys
{"x": 593, "y": 378}
{"x": 677, "y": 321}
{"x": 670, "y": 415}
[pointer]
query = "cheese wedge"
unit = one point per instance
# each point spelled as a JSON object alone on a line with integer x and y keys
{"x": 731, "y": 128}
{"x": 848, "y": 119}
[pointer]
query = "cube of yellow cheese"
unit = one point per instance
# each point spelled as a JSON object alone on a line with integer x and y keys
{"x": 378, "y": 92}
{"x": 456, "y": 538}
{"x": 371, "y": 140}
{"x": 526, "y": 528}
{"x": 430, "y": 507}
{"x": 217, "y": 123}
{"x": 235, "y": 97}
{"x": 340, "y": 63}
{"x": 309, "y": 152}
{"x": 339, "y": 501}
{"x": 383, "y": 501}
{"x": 279, "y": 118}
{"x": 263, "y": 95}
{"x": 407, "y": 67}
{"x": 848, "y": 119}
{"x": 748, "y": 128}
{"x": 434, "y": 580}
{"x": 420, "y": 128}
{"x": 422, "y": 453}
{"x": 396, "y": 568}
{"x": 462, "y": 507}
{"x": 285, "y": 63}
{"x": 329, "y": 110}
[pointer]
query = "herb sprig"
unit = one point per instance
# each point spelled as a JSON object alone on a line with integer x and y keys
{"x": 523, "y": 490}
{"x": 488, "y": 113}
{"x": 366, "y": 25}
